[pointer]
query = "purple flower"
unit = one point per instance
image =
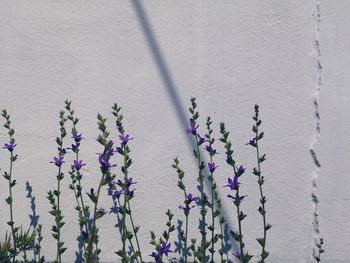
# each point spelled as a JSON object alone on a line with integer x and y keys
{"x": 193, "y": 128}
{"x": 157, "y": 257}
{"x": 104, "y": 160}
{"x": 210, "y": 149}
{"x": 212, "y": 167}
{"x": 191, "y": 198}
{"x": 58, "y": 161}
{"x": 117, "y": 193}
{"x": 77, "y": 137}
{"x": 240, "y": 171}
{"x": 237, "y": 255}
{"x": 129, "y": 181}
{"x": 165, "y": 248}
{"x": 74, "y": 147}
{"x": 201, "y": 139}
{"x": 9, "y": 146}
{"x": 233, "y": 184}
{"x": 78, "y": 164}
{"x": 252, "y": 142}
{"x": 124, "y": 138}
{"x": 109, "y": 153}
{"x": 186, "y": 208}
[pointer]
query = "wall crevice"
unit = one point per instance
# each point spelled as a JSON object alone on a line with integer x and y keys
{"x": 317, "y": 132}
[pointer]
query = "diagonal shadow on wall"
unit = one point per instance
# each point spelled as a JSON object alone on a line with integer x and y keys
{"x": 170, "y": 86}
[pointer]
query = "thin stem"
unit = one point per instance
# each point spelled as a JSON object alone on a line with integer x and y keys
{"x": 186, "y": 229}
{"x": 202, "y": 200}
{"x": 58, "y": 257}
{"x": 222, "y": 244}
{"x": 83, "y": 210}
{"x": 241, "y": 245}
{"x": 91, "y": 239}
{"x": 80, "y": 188}
{"x": 263, "y": 252}
{"x": 186, "y": 234}
{"x": 135, "y": 234}
{"x": 78, "y": 204}
{"x": 212, "y": 213}
{"x": 130, "y": 242}
{"x": 11, "y": 207}
{"x": 124, "y": 225}
{"x": 239, "y": 229}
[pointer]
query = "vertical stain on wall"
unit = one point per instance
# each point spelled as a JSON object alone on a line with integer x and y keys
{"x": 316, "y": 138}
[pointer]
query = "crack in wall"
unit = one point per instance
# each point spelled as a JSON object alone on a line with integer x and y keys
{"x": 316, "y": 138}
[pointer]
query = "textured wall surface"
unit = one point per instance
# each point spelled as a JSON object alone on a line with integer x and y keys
{"x": 291, "y": 57}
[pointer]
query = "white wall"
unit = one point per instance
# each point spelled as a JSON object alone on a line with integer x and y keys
{"x": 151, "y": 57}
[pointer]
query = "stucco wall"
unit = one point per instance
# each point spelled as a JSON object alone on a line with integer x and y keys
{"x": 151, "y": 57}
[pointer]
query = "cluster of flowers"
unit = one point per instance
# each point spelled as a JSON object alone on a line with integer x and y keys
{"x": 16, "y": 245}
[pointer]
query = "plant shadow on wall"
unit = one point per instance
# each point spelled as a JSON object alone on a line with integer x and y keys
{"x": 117, "y": 181}
{"x": 171, "y": 89}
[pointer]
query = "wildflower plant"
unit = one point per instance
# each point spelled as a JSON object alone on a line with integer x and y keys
{"x": 76, "y": 176}
{"x": 20, "y": 241}
{"x": 203, "y": 202}
{"x": 37, "y": 246}
{"x": 187, "y": 205}
{"x": 237, "y": 198}
{"x": 120, "y": 186}
{"x": 125, "y": 184}
{"x": 215, "y": 204}
{"x": 92, "y": 250}
{"x": 54, "y": 195}
{"x": 10, "y": 146}
{"x": 260, "y": 179}
{"x": 163, "y": 246}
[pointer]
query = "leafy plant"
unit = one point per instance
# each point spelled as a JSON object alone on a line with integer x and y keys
{"x": 121, "y": 188}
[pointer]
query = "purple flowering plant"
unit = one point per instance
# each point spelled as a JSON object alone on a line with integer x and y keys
{"x": 162, "y": 246}
{"x": 20, "y": 241}
{"x": 188, "y": 203}
{"x": 203, "y": 202}
{"x": 116, "y": 179}
{"x": 237, "y": 198}
{"x": 260, "y": 179}
{"x": 125, "y": 184}
{"x": 54, "y": 195}
{"x": 76, "y": 176}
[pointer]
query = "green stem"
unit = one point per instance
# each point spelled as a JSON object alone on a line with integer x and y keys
{"x": 261, "y": 198}
{"x": 135, "y": 234}
{"x": 202, "y": 201}
{"x": 222, "y": 244}
{"x": 239, "y": 222}
{"x": 240, "y": 231}
{"x": 91, "y": 238}
{"x": 81, "y": 200}
{"x": 186, "y": 233}
{"x": 11, "y": 207}
{"x": 58, "y": 257}
{"x": 78, "y": 204}
{"x": 212, "y": 213}
{"x": 130, "y": 242}
{"x": 186, "y": 221}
